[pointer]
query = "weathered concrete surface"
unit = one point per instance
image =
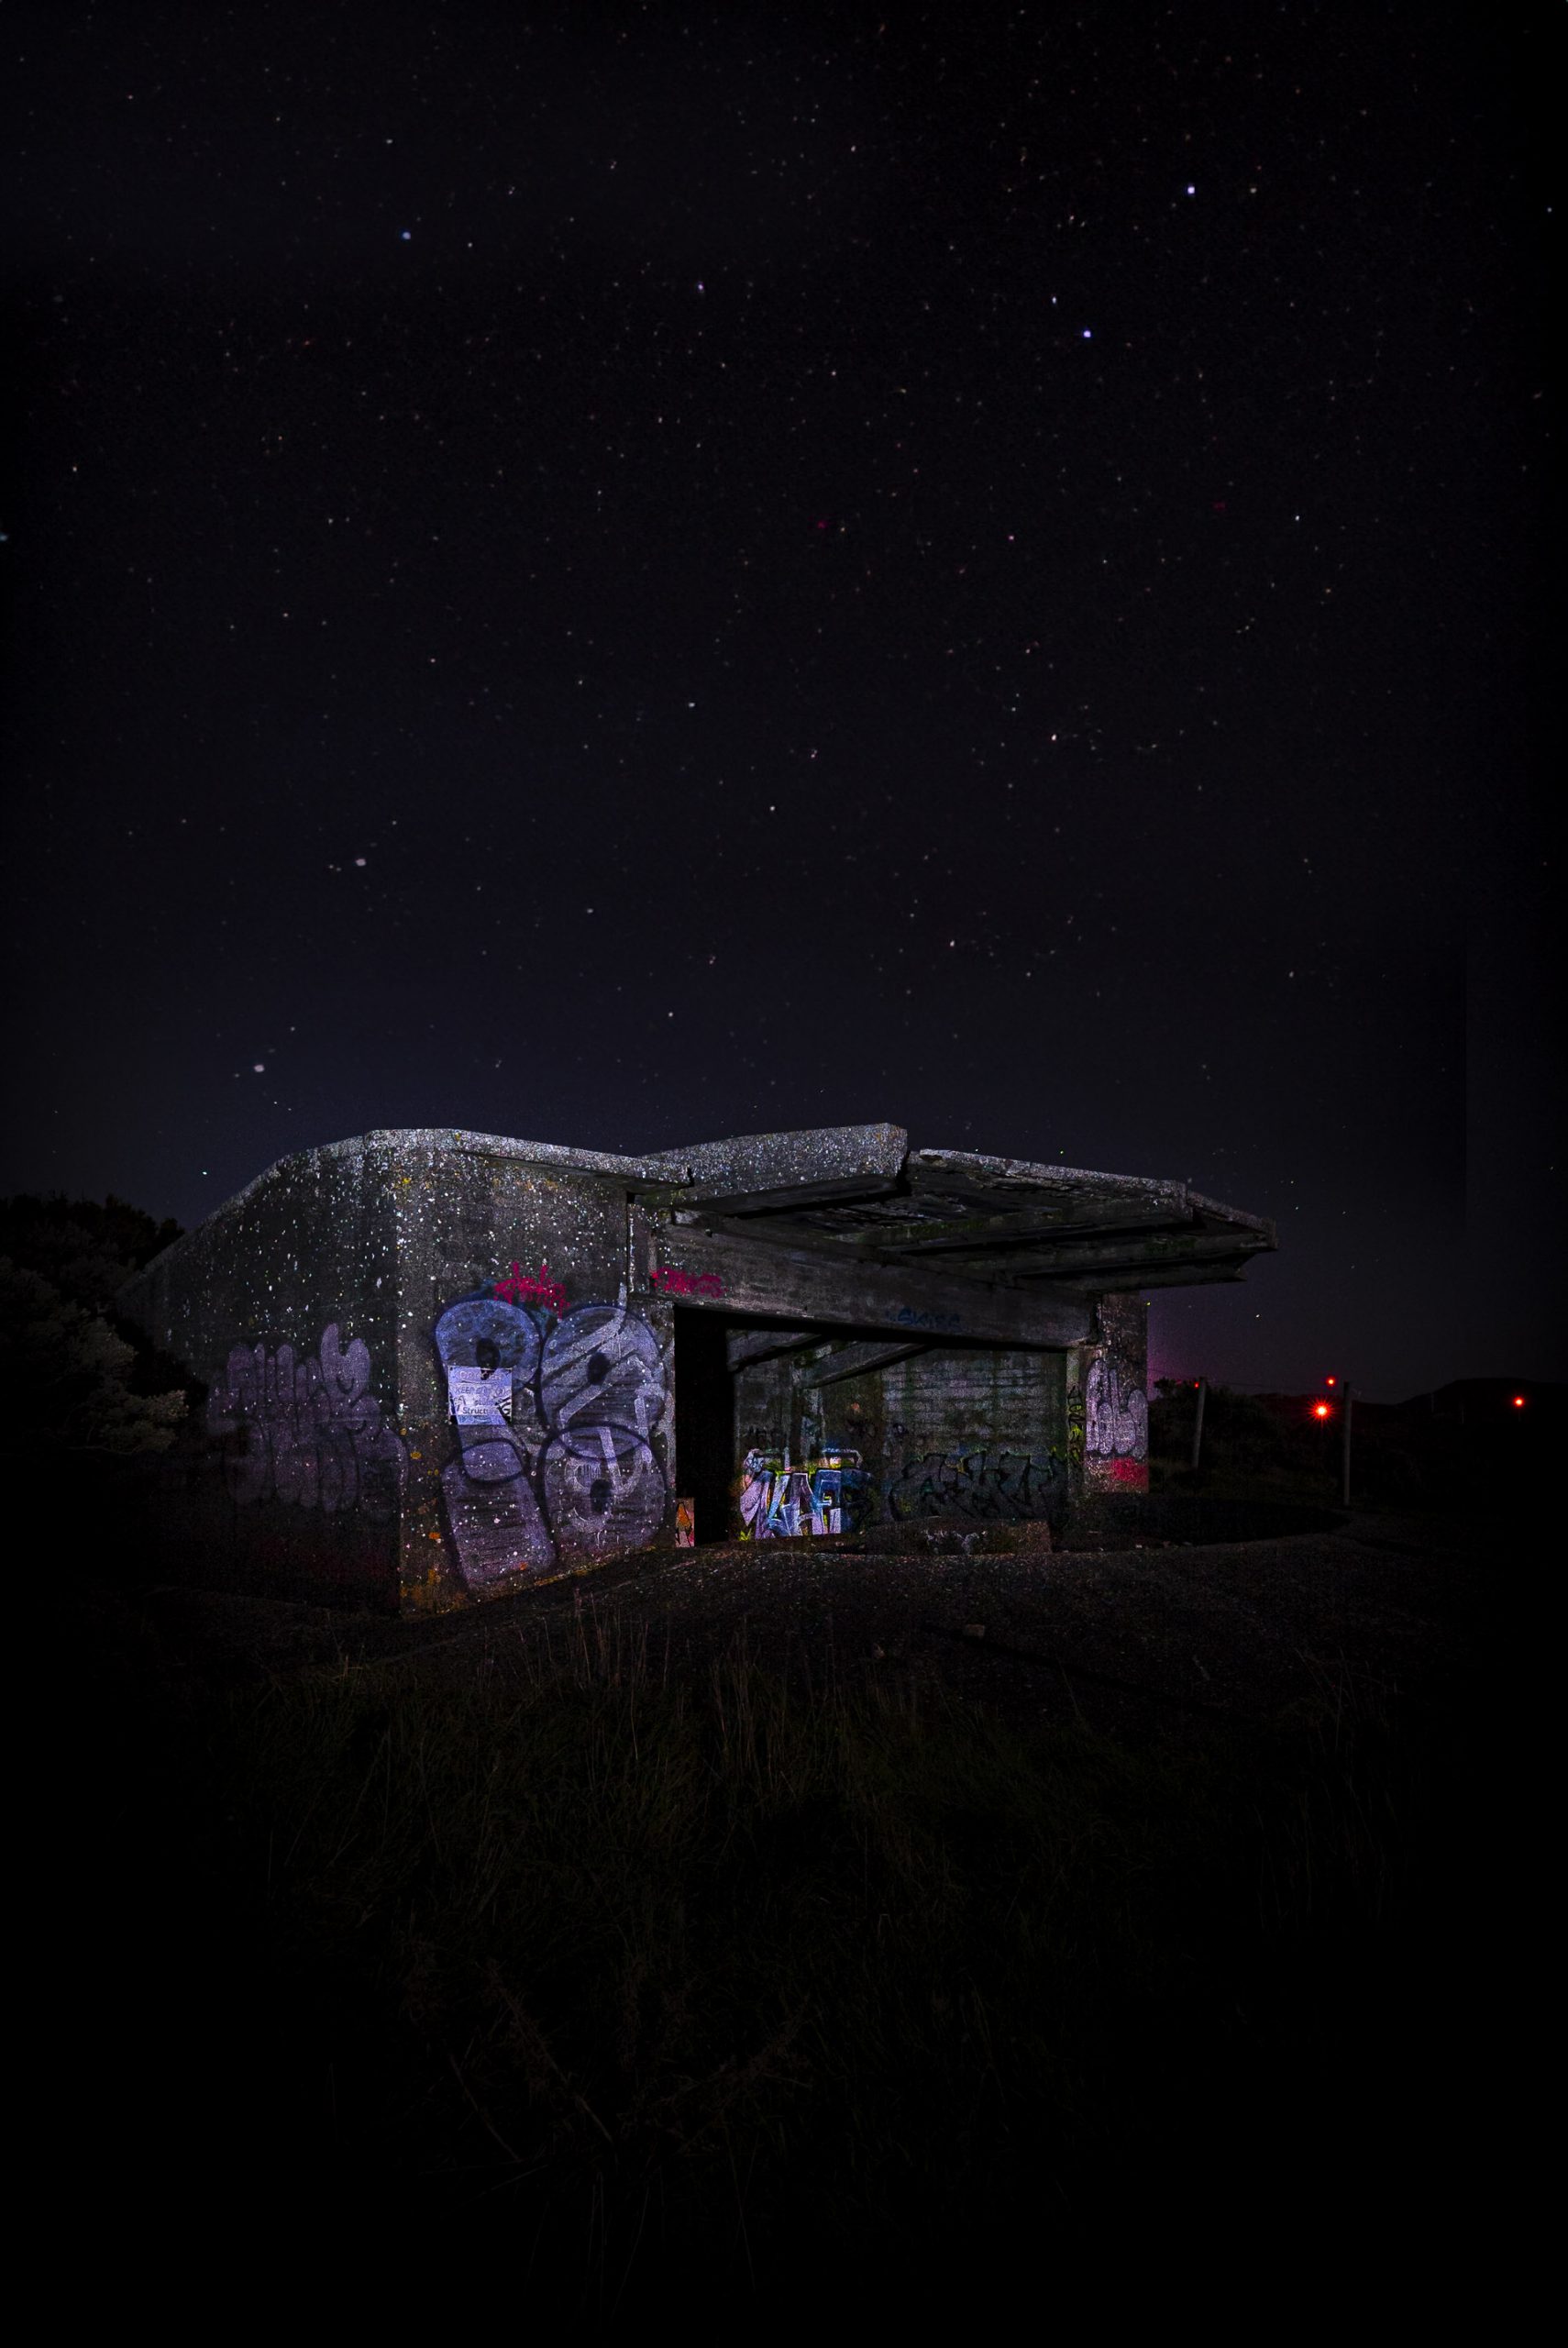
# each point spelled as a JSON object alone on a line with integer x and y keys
{"x": 284, "y": 1306}
{"x": 315, "y": 1308}
{"x": 755, "y": 1172}
{"x": 442, "y": 1366}
{"x": 461, "y": 1221}
{"x": 752, "y": 1275}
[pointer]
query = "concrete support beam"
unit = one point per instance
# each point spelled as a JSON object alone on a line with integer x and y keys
{"x": 853, "y": 1361}
{"x": 987, "y": 1232}
{"x": 1170, "y": 1276}
{"x": 744, "y": 1346}
{"x": 795, "y": 1285}
{"x": 1089, "y": 1257}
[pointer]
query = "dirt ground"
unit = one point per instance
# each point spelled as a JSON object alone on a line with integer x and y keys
{"x": 190, "y": 2019}
{"x": 1135, "y": 1639}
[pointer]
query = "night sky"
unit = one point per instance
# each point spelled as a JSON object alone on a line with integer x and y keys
{"x": 620, "y": 574}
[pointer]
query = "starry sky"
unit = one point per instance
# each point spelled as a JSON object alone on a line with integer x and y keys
{"x": 620, "y": 574}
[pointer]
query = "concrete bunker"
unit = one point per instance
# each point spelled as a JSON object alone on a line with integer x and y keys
{"x": 442, "y": 1366}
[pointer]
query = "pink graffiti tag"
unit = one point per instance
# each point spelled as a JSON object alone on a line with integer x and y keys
{"x": 671, "y": 1282}
{"x": 529, "y": 1288}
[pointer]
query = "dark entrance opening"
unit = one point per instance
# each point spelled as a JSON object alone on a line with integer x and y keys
{"x": 704, "y": 1419}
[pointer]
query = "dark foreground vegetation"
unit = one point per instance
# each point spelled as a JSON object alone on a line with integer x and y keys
{"x": 717, "y": 1983}
{"x": 692, "y": 1989}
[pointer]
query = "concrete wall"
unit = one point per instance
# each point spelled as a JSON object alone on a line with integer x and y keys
{"x": 284, "y": 1305}
{"x": 337, "y": 1308}
{"x": 561, "y": 1452}
{"x": 953, "y": 1431}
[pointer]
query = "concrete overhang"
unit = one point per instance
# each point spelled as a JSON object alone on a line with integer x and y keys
{"x": 860, "y": 1192}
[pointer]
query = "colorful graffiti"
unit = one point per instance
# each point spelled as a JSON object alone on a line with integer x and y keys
{"x": 554, "y": 1428}
{"x": 1116, "y": 1426}
{"x": 980, "y": 1483}
{"x": 532, "y": 1288}
{"x": 828, "y": 1493}
{"x": 306, "y": 1430}
{"x": 670, "y": 1282}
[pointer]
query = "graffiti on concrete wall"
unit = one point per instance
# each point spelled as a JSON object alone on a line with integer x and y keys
{"x": 980, "y": 1482}
{"x": 828, "y": 1493}
{"x": 307, "y": 1430}
{"x": 554, "y": 1423}
{"x": 532, "y": 1288}
{"x": 1116, "y": 1423}
{"x": 669, "y": 1281}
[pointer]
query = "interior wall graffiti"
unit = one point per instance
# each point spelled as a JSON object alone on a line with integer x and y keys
{"x": 306, "y": 1430}
{"x": 828, "y": 1493}
{"x": 981, "y": 1483}
{"x": 556, "y": 1423}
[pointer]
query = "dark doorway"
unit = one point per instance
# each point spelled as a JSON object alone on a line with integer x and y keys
{"x": 704, "y": 1419}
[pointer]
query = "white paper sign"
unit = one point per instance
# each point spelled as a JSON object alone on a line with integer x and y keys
{"x": 479, "y": 1398}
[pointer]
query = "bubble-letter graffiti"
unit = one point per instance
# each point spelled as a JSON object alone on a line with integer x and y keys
{"x": 307, "y": 1432}
{"x": 555, "y": 1430}
{"x": 489, "y": 1351}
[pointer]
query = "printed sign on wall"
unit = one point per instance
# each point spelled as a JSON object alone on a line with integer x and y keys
{"x": 479, "y": 1395}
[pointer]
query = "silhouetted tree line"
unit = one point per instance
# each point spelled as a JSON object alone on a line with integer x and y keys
{"x": 76, "y": 1384}
{"x": 1401, "y": 1453}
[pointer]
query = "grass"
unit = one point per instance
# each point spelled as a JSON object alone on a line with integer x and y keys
{"x": 651, "y": 1976}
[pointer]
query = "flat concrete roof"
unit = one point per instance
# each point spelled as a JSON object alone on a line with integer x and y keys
{"x": 862, "y": 1190}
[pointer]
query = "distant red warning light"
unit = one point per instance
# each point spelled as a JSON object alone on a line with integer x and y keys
{"x": 1519, "y": 1401}
{"x": 1319, "y": 1410}
{"x": 1330, "y": 1381}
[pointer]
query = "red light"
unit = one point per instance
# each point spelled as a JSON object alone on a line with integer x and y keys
{"x": 1330, "y": 1381}
{"x": 1319, "y": 1410}
{"x": 1519, "y": 1401}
